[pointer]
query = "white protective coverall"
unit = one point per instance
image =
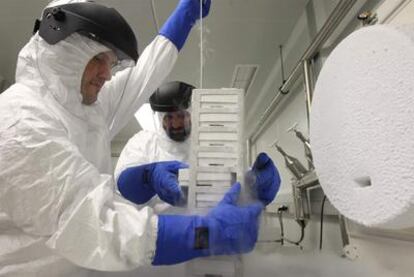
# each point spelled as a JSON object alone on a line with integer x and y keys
{"x": 59, "y": 214}
{"x": 151, "y": 145}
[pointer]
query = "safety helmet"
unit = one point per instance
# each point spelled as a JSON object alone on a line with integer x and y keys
{"x": 171, "y": 97}
{"x": 100, "y": 23}
{"x": 171, "y": 102}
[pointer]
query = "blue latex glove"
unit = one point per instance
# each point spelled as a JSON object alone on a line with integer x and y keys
{"x": 267, "y": 179}
{"x": 179, "y": 24}
{"x": 228, "y": 229}
{"x": 140, "y": 183}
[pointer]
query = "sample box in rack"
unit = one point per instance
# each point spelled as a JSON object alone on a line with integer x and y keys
{"x": 216, "y": 162}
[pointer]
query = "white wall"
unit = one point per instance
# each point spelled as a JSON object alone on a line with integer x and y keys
{"x": 406, "y": 16}
{"x": 382, "y": 253}
{"x": 396, "y": 12}
{"x": 2, "y": 83}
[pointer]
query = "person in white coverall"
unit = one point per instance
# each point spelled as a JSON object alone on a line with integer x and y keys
{"x": 59, "y": 215}
{"x": 165, "y": 137}
{"x": 154, "y": 157}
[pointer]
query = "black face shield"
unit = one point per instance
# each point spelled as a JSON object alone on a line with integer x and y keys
{"x": 102, "y": 24}
{"x": 171, "y": 97}
{"x": 174, "y": 99}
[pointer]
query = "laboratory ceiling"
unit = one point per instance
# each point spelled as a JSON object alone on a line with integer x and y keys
{"x": 237, "y": 32}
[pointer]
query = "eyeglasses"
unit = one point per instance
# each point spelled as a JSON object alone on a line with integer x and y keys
{"x": 110, "y": 59}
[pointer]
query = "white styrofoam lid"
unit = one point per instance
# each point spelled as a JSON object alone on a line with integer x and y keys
{"x": 362, "y": 127}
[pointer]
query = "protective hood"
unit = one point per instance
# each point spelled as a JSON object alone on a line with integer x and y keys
{"x": 146, "y": 118}
{"x": 151, "y": 122}
{"x": 62, "y": 2}
{"x": 180, "y": 134}
{"x": 58, "y": 69}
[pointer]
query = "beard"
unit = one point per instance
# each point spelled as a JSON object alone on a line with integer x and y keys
{"x": 179, "y": 134}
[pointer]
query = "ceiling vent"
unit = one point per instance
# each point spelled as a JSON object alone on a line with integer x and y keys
{"x": 243, "y": 76}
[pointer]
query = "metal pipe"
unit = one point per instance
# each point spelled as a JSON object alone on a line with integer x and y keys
{"x": 344, "y": 230}
{"x": 298, "y": 203}
{"x": 304, "y": 186}
{"x": 282, "y": 68}
{"x": 282, "y": 229}
{"x": 308, "y": 88}
{"x": 201, "y": 46}
{"x": 154, "y": 16}
{"x": 337, "y": 15}
{"x": 327, "y": 29}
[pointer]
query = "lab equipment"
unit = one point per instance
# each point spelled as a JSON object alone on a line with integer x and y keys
{"x": 306, "y": 144}
{"x": 294, "y": 165}
{"x": 217, "y": 157}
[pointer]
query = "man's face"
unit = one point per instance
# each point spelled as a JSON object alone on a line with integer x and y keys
{"x": 177, "y": 125}
{"x": 97, "y": 72}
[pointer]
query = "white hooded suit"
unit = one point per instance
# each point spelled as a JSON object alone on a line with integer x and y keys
{"x": 151, "y": 145}
{"x": 58, "y": 210}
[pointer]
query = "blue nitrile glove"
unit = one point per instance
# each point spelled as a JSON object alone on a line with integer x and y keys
{"x": 267, "y": 178}
{"x": 139, "y": 184}
{"x": 179, "y": 24}
{"x": 227, "y": 229}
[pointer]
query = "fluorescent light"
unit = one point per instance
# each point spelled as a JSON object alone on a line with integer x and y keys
{"x": 243, "y": 76}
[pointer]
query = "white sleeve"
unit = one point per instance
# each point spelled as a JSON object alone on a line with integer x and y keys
{"x": 50, "y": 190}
{"x": 128, "y": 90}
{"x": 140, "y": 150}
{"x": 137, "y": 151}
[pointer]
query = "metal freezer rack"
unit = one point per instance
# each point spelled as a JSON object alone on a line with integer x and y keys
{"x": 216, "y": 162}
{"x": 216, "y": 158}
